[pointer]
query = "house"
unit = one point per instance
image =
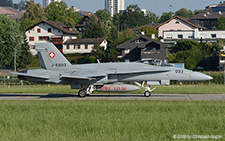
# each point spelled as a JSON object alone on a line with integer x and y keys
{"x": 83, "y": 45}
{"x": 209, "y": 16}
{"x": 142, "y": 47}
{"x": 55, "y": 32}
{"x": 13, "y": 13}
{"x": 176, "y": 24}
{"x": 179, "y": 28}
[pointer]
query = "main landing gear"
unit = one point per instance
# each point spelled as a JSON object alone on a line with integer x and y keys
{"x": 86, "y": 91}
{"x": 148, "y": 90}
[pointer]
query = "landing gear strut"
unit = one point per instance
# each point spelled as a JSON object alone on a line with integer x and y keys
{"x": 148, "y": 90}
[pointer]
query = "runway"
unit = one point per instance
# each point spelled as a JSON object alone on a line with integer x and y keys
{"x": 165, "y": 97}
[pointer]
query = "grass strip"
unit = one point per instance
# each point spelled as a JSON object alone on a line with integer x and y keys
{"x": 109, "y": 120}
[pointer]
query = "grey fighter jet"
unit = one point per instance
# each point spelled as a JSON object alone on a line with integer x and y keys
{"x": 103, "y": 76}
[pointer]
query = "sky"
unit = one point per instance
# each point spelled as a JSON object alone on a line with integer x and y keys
{"x": 156, "y": 6}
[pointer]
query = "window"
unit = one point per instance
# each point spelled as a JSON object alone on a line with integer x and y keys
{"x": 191, "y": 37}
{"x": 137, "y": 41}
{"x": 31, "y": 38}
{"x": 86, "y": 46}
{"x": 180, "y": 36}
{"x": 43, "y": 38}
{"x": 38, "y": 30}
{"x": 177, "y": 22}
{"x": 49, "y": 30}
{"x": 78, "y": 46}
{"x": 202, "y": 36}
{"x": 68, "y": 47}
{"x": 223, "y": 35}
{"x": 74, "y": 47}
{"x": 213, "y": 35}
{"x": 126, "y": 51}
{"x": 169, "y": 36}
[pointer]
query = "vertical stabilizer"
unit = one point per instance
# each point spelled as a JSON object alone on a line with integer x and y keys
{"x": 51, "y": 58}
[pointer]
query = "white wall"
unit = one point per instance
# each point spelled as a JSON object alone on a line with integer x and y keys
{"x": 44, "y": 32}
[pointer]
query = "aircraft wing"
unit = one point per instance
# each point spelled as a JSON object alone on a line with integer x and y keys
{"x": 30, "y": 75}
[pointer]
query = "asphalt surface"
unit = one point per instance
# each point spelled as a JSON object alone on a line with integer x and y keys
{"x": 189, "y": 97}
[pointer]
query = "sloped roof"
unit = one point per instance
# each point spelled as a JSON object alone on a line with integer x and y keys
{"x": 57, "y": 25}
{"x": 211, "y": 12}
{"x": 182, "y": 19}
{"x": 84, "y": 41}
{"x": 13, "y": 13}
{"x": 127, "y": 44}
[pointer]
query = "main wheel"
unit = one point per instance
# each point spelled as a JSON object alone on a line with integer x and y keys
{"x": 147, "y": 93}
{"x": 82, "y": 93}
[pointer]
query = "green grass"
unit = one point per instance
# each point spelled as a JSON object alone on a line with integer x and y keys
{"x": 109, "y": 120}
{"x": 172, "y": 89}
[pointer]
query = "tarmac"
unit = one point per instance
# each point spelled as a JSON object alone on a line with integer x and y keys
{"x": 164, "y": 97}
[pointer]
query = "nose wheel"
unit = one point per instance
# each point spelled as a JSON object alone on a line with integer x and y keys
{"x": 82, "y": 93}
{"x": 147, "y": 93}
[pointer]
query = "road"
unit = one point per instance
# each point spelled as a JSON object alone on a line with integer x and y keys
{"x": 189, "y": 97}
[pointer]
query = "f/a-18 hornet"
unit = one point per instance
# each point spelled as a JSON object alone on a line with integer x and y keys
{"x": 103, "y": 76}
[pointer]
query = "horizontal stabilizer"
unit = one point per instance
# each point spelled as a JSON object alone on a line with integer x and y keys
{"x": 30, "y": 75}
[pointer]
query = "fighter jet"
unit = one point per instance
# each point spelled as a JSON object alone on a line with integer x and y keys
{"x": 103, "y": 76}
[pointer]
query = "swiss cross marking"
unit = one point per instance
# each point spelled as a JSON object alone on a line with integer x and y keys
{"x": 51, "y": 54}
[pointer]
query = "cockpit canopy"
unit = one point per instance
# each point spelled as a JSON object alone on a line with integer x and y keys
{"x": 155, "y": 62}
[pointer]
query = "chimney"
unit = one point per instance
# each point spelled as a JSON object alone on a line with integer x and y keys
{"x": 153, "y": 36}
{"x": 220, "y": 13}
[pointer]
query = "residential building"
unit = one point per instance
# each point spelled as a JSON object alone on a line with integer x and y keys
{"x": 209, "y": 16}
{"x": 47, "y": 2}
{"x": 82, "y": 45}
{"x": 176, "y": 24}
{"x": 55, "y": 32}
{"x": 11, "y": 12}
{"x": 114, "y": 6}
{"x": 142, "y": 47}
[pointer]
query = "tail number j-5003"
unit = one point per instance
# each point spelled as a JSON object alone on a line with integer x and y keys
{"x": 59, "y": 65}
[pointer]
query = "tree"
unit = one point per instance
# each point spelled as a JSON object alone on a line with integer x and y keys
{"x": 132, "y": 17}
{"x": 34, "y": 14}
{"x": 21, "y": 5}
{"x": 165, "y": 16}
{"x": 59, "y": 11}
{"x": 195, "y": 54}
{"x": 183, "y": 12}
{"x": 94, "y": 28}
{"x": 11, "y": 37}
{"x": 104, "y": 16}
{"x": 126, "y": 35}
{"x": 148, "y": 30}
{"x": 221, "y": 23}
{"x": 6, "y": 3}
{"x": 152, "y": 17}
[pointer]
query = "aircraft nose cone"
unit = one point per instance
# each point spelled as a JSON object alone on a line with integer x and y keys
{"x": 210, "y": 78}
{"x": 201, "y": 77}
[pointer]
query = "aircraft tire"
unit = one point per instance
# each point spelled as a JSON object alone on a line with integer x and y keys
{"x": 82, "y": 93}
{"x": 147, "y": 93}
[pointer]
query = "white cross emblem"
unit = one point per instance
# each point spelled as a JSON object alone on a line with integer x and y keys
{"x": 51, "y": 54}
